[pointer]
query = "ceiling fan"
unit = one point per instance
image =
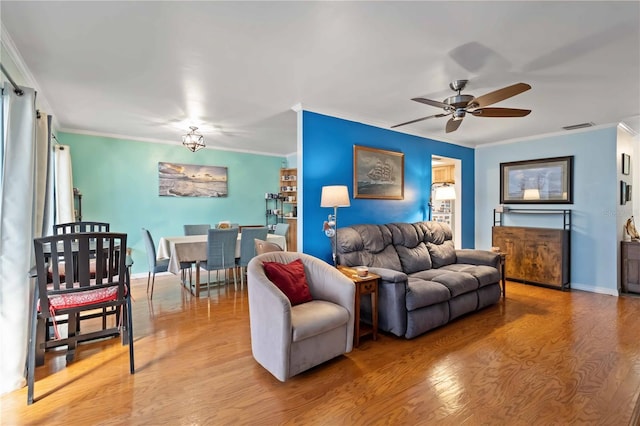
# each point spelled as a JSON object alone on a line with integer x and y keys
{"x": 459, "y": 105}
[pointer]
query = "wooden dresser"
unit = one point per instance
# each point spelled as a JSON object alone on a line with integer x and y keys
{"x": 534, "y": 255}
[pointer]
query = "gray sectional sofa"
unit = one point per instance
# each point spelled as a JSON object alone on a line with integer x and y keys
{"x": 425, "y": 282}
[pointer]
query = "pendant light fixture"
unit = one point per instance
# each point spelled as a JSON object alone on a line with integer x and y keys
{"x": 192, "y": 140}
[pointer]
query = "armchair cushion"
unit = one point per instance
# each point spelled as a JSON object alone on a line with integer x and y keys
{"x": 290, "y": 279}
{"x": 316, "y": 317}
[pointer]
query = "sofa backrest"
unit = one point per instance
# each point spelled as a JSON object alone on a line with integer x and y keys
{"x": 439, "y": 241}
{"x": 406, "y": 247}
{"x": 369, "y": 245}
{"x": 409, "y": 243}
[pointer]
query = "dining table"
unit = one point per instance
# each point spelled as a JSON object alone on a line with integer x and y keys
{"x": 193, "y": 248}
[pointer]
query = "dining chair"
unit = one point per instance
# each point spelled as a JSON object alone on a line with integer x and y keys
{"x": 72, "y": 227}
{"x": 266, "y": 246}
{"x": 281, "y": 229}
{"x": 155, "y": 265}
{"x": 72, "y": 289}
{"x": 201, "y": 229}
{"x": 196, "y": 229}
{"x": 248, "y": 247}
{"x": 221, "y": 253}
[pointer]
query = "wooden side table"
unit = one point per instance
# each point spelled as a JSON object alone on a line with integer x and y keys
{"x": 364, "y": 286}
{"x": 503, "y": 259}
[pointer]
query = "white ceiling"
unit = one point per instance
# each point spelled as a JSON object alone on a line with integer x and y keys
{"x": 148, "y": 70}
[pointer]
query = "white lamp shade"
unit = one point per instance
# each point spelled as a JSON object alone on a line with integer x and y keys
{"x": 335, "y": 196}
{"x": 531, "y": 194}
{"x": 447, "y": 192}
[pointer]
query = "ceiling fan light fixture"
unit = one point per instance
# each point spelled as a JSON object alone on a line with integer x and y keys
{"x": 193, "y": 141}
{"x": 459, "y": 114}
{"x": 457, "y": 106}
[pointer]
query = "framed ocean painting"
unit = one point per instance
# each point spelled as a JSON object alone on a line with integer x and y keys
{"x": 190, "y": 180}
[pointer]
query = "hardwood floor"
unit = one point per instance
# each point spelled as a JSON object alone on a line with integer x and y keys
{"x": 539, "y": 357}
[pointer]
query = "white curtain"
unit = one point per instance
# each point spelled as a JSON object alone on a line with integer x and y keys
{"x": 41, "y": 176}
{"x": 49, "y": 204}
{"x": 63, "y": 184}
{"x": 22, "y": 189}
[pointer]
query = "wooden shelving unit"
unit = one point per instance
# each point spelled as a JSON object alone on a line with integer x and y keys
{"x": 289, "y": 195}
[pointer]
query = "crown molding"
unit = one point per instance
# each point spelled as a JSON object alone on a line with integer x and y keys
{"x": 549, "y": 135}
{"x": 161, "y": 141}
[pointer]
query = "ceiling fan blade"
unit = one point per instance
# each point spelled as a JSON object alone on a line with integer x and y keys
{"x": 500, "y": 112}
{"x": 499, "y": 95}
{"x": 432, "y": 103}
{"x": 453, "y": 124}
{"x": 420, "y": 119}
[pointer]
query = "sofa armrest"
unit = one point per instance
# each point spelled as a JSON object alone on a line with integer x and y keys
{"x": 392, "y": 304}
{"x": 389, "y": 275}
{"x": 478, "y": 257}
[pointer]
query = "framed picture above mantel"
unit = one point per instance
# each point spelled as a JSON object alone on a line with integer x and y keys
{"x": 540, "y": 181}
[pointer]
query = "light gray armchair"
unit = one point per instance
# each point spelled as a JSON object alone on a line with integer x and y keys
{"x": 287, "y": 340}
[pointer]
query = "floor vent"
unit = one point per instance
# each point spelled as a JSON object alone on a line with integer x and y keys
{"x": 579, "y": 126}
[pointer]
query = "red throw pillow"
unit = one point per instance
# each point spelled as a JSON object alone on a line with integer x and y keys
{"x": 290, "y": 279}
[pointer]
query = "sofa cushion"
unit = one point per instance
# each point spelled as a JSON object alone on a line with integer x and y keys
{"x": 316, "y": 317}
{"x": 457, "y": 282}
{"x": 439, "y": 240}
{"x": 421, "y": 293}
{"x": 442, "y": 254}
{"x": 414, "y": 259}
{"x": 429, "y": 274}
{"x": 290, "y": 279}
{"x": 369, "y": 245}
{"x": 484, "y": 274}
{"x": 435, "y": 232}
{"x": 411, "y": 249}
{"x": 405, "y": 234}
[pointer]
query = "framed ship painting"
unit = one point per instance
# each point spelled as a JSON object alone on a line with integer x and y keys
{"x": 377, "y": 173}
{"x": 190, "y": 180}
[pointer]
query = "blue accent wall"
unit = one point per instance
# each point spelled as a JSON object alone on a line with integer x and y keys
{"x": 119, "y": 182}
{"x": 327, "y": 158}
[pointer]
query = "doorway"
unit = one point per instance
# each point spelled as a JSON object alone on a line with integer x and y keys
{"x": 446, "y": 200}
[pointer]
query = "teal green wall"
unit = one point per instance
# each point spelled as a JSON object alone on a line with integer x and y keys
{"x": 118, "y": 180}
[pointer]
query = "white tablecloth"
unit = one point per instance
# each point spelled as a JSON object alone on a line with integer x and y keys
{"x": 193, "y": 248}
